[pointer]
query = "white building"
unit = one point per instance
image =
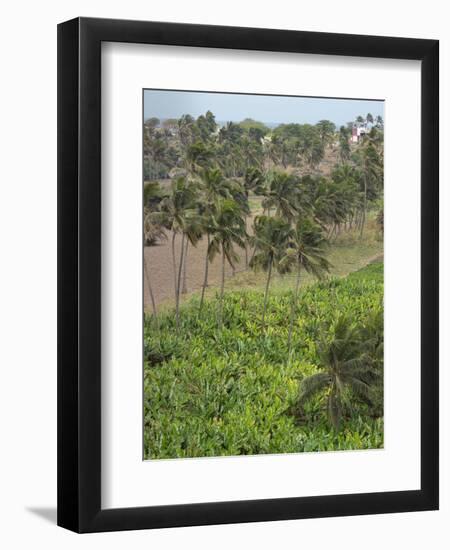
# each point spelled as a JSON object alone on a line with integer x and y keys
{"x": 357, "y": 132}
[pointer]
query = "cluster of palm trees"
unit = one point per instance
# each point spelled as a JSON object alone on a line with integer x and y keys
{"x": 237, "y": 147}
{"x": 301, "y": 213}
{"x": 376, "y": 122}
{"x": 207, "y": 199}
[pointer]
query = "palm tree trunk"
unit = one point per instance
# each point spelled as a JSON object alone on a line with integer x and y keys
{"x": 179, "y": 282}
{"x": 205, "y": 279}
{"x": 222, "y": 287}
{"x": 294, "y": 306}
{"x": 174, "y": 265}
{"x": 363, "y": 220}
{"x": 184, "y": 289}
{"x": 246, "y": 241}
{"x": 149, "y": 286}
{"x": 266, "y": 294}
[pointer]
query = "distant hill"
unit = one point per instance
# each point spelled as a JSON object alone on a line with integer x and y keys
{"x": 270, "y": 125}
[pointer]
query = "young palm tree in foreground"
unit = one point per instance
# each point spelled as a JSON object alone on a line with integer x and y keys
{"x": 271, "y": 238}
{"x": 344, "y": 368}
{"x": 306, "y": 251}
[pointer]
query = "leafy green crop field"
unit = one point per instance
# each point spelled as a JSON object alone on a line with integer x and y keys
{"x": 234, "y": 391}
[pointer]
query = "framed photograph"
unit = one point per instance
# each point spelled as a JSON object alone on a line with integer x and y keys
{"x": 247, "y": 275}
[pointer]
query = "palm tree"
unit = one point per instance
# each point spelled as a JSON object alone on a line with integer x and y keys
{"x": 152, "y": 194}
{"x": 270, "y": 151}
{"x": 153, "y": 232}
{"x": 347, "y": 198}
{"x": 197, "y": 156}
{"x": 150, "y": 290}
{"x": 177, "y": 214}
{"x": 380, "y": 219}
{"x": 271, "y": 239}
{"x": 191, "y": 232}
{"x": 344, "y": 370}
{"x": 306, "y": 251}
{"x": 227, "y": 229}
{"x": 213, "y": 186}
{"x": 153, "y": 229}
{"x": 371, "y": 171}
{"x": 281, "y": 194}
{"x": 344, "y": 143}
{"x": 255, "y": 181}
{"x": 187, "y": 130}
{"x": 326, "y": 130}
{"x": 312, "y": 148}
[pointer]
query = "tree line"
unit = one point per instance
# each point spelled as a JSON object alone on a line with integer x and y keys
{"x": 237, "y": 147}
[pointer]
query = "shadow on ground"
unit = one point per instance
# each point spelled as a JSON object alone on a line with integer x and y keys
{"x": 46, "y": 513}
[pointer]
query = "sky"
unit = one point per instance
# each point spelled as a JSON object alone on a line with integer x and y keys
{"x": 270, "y": 109}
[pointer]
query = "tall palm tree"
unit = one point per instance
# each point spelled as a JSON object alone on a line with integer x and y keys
{"x": 345, "y": 184}
{"x": 177, "y": 214}
{"x": 254, "y": 181}
{"x": 312, "y": 148}
{"x": 191, "y": 232}
{"x": 345, "y": 369}
{"x": 150, "y": 290}
{"x": 305, "y": 251}
{"x": 372, "y": 173}
{"x": 153, "y": 232}
{"x": 227, "y": 229}
{"x": 213, "y": 186}
{"x": 344, "y": 143}
{"x": 271, "y": 239}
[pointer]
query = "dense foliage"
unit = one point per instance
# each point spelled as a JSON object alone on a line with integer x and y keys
{"x": 261, "y": 370}
{"x": 237, "y": 390}
{"x": 172, "y": 144}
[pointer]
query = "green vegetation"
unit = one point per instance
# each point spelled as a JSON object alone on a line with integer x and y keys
{"x": 236, "y": 391}
{"x": 264, "y": 365}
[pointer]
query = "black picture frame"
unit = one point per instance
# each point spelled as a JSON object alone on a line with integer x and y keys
{"x": 79, "y": 269}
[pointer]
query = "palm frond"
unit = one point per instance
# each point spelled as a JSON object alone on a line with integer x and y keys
{"x": 312, "y": 385}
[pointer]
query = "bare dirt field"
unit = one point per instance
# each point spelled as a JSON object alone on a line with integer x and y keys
{"x": 159, "y": 265}
{"x": 348, "y": 253}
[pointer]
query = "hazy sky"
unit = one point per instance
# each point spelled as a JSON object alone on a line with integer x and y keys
{"x": 236, "y": 107}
